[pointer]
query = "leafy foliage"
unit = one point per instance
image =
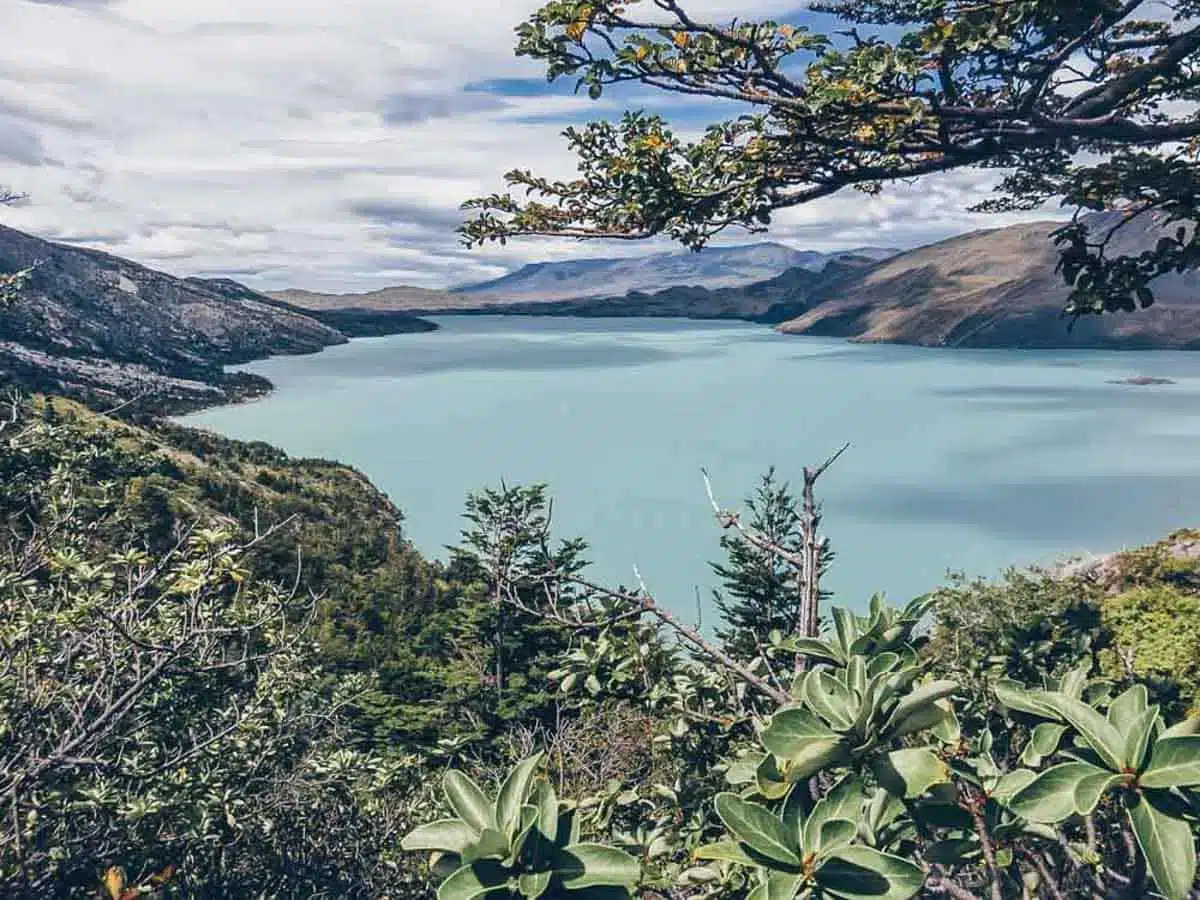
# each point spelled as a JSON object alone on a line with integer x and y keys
{"x": 1088, "y": 103}
{"x": 522, "y": 844}
{"x": 875, "y": 770}
{"x": 1155, "y": 634}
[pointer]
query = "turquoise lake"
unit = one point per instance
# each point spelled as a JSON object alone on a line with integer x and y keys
{"x": 959, "y": 459}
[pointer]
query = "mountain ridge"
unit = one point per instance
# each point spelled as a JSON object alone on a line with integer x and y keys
{"x": 101, "y": 328}
{"x": 714, "y": 267}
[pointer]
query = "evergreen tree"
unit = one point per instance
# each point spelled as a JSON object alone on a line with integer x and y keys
{"x": 760, "y": 591}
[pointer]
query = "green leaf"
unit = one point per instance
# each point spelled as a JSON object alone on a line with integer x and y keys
{"x": 843, "y": 802}
{"x": 781, "y": 885}
{"x": 1127, "y": 707}
{"x": 831, "y": 700}
{"x": 1050, "y": 797}
{"x": 817, "y": 649}
{"x": 741, "y": 770}
{"x": 911, "y": 772}
{"x": 791, "y": 730}
{"x": 546, "y": 801}
{"x": 1043, "y": 741}
{"x": 920, "y": 699}
{"x": 816, "y": 756}
{"x": 1012, "y": 782}
{"x": 1168, "y": 846}
{"x": 590, "y": 865}
{"x": 757, "y": 828}
{"x": 1089, "y": 790}
{"x": 1190, "y": 725}
{"x": 845, "y": 628}
{"x": 491, "y": 844}
{"x": 1174, "y": 762}
{"x": 514, "y": 792}
{"x": 475, "y": 880}
{"x": 452, "y": 835}
{"x": 1017, "y": 697}
{"x": 834, "y": 834}
{"x": 1099, "y": 733}
{"x": 534, "y": 884}
{"x": 727, "y": 851}
{"x": 1137, "y": 738}
{"x": 769, "y": 780}
{"x": 467, "y": 800}
{"x": 858, "y": 873}
{"x": 529, "y": 821}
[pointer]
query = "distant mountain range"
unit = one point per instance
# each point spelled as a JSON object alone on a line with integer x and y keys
{"x": 101, "y": 328}
{"x": 712, "y": 268}
{"x": 991, "y": 288}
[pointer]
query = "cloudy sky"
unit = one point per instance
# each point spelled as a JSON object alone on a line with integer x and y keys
{"x": 327, "y": 143}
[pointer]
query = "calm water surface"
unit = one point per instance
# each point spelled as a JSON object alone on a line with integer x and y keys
{"x": 960, "y": 459}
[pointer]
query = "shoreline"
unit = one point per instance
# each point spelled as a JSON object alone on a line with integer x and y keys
{"x": 507, "y": 311}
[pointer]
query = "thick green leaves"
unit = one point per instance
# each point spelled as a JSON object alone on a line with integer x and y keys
{"x": 491, "y": 844}
{"x": 1138, "y": 732}
{"x": 471, "y": 882}
{"x": 1050, "y": 797}
{"x": 467, "y": 800}
{"x": 513, "y": 793}
{"x": 547, "y": 806}
{"x": 534, "y": 884}
{"x": 781, "y": 885}
{"x": 1168, "y": 846}
{"x": 591, "y": 865}
{"x": 919, "y": 700}
{"x": 831, "y": 700}
{"x": 452, "y": 835}
{"x": 1042, "y": 742}
{"x": 1099, "y": 733}
{"x": 1174, "y": 762}
{"x": 843, "y": 802}
{"x": 859, "y": 873}
{"x": 834, "y": 834}
{"x": 1127, "y": 707}
{"x": 911, "y": 772}
{"x": 1089, "y": 790}
{"x": 770, "y": 781}
{"x": 757, "y": 828}
{"x": 792, "y": 730}
{"x": 727, "y": 851}
{"x": 1018, "y": 698}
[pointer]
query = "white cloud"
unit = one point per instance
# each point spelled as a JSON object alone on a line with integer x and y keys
{"x": 319, "y": 143}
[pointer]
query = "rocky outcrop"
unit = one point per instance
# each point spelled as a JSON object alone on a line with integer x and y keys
{"x": 96, "y": 326}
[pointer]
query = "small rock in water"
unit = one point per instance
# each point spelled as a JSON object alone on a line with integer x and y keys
{"x": 1141, "y": 379}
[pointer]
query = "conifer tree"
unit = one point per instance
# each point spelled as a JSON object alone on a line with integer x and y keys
{"x": 760, "y": 590}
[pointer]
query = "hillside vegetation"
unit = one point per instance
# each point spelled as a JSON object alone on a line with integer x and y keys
{"x": 210, "y": 645}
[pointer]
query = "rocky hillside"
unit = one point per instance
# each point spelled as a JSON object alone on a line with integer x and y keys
{"x": 996, "y": 288}
{"x": 93, "y": 325}
{"x": 390, "y": 299}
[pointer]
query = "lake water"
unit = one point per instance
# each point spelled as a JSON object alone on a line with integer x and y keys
{"x": 962, "y": 459}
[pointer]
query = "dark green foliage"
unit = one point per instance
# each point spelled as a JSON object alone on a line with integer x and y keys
{"x": 760, "y": 591}
{"x": 1154, "y": 634}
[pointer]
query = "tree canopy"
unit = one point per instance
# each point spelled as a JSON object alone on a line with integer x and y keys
{"x": 1090, "y": 102}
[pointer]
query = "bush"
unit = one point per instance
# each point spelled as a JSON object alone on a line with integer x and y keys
{"x": 1155, "y": 634}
